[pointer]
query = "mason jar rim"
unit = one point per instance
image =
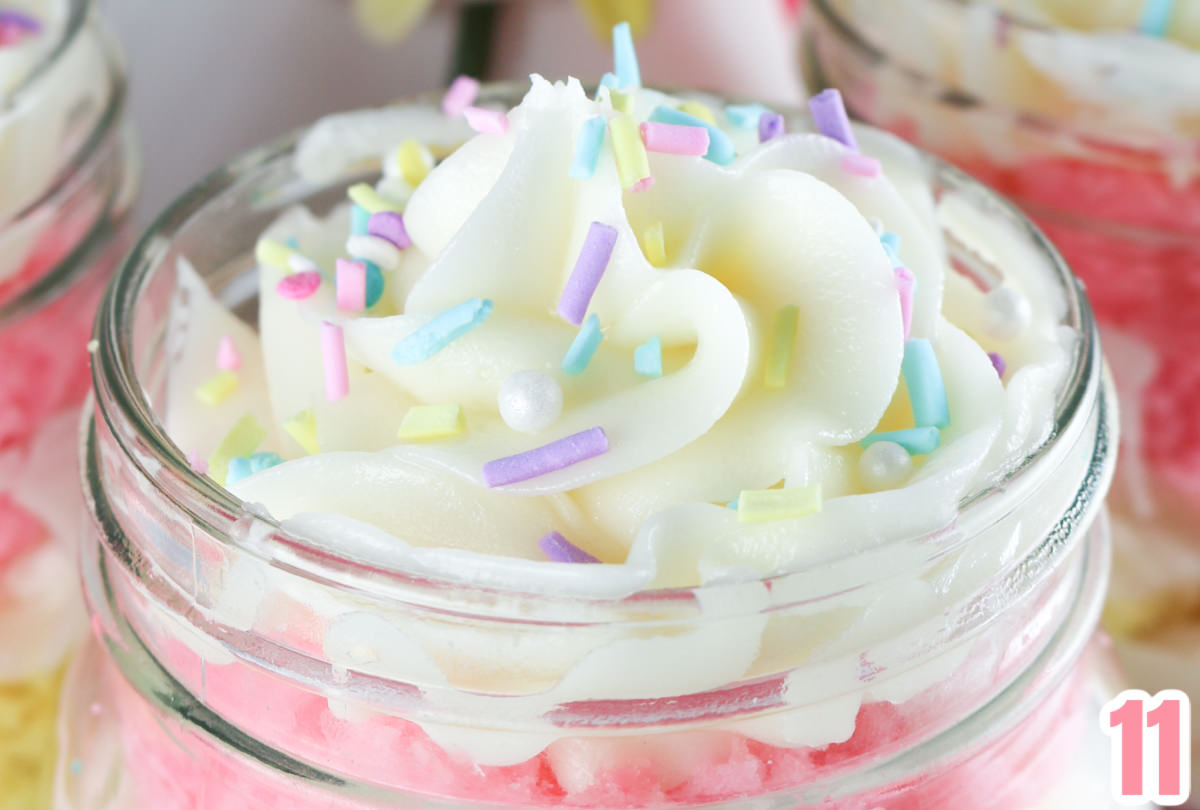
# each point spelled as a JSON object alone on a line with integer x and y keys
{"x": 122, "y": 404}
{"x": 75, "y": 171}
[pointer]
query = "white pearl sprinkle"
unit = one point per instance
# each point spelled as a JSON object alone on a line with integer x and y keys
{"x": 884, "y": 465}
{"x": 374, "y": 249}
{"x": 530, "y": 401}
{"x": 1006, "y": 313}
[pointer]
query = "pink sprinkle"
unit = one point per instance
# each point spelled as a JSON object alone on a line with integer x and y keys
{"x": 197, "y": 463}
{"x": 351, "y": 285}
{"x": 674, "y": 139}
{"x": 642, "y": 185}
{"x": 905, "y": 283}
{"x": 461, "y": 95}
{"x": 390, "y": 226}
{"x": 228, "y": 358}
{"x": 333, "y": 354}
{"x": 489, "y": 122}
{"x": 299, "y": 286}
{"x": 860, "y": 164}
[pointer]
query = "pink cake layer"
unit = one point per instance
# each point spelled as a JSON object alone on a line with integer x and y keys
{"x": 179, "y": 768}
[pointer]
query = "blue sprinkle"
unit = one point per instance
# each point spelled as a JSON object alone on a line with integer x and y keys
{"x": 293, "y": 243}
{"x": 584, "y": 346}
{"x": 917, "y": 441}
{"x": 441, "y": 332}
{"x": 926, "y": 390}
{"x": 1156, "y": 17}
{"x": 891, "y": 244}
{"x": 587, "y": 148}
{"x": 745, "y": 116}
{"x": 359, "y": 219}
{"x": 720, "y": 147}
{"x": 610, "y": 81}
{"x": 625, "y": 63}
{"x": 374, "y": 283}
{"x": 734, "y": 503}
{"x": 76, "y": 767}
{"x": 264, "y": 461}
{"x": 239, "y": 468}
{"x": 647, "y": 358}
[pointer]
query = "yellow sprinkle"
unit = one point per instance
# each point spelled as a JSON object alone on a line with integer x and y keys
{"x": 699, "y": 110}
{"x": 272, "y": 254}
{"x": 653, "y": 245}
{"x": 424, "y": 422}
{"x": 633, "y": 165}
{"x": 366, "y": 196}
{"x": 242, "y": 440}
{"x": 621, "y": 102}
{"x": 303, "y": 428}
{"x": 757, "y": 505}
{"x": 414, "y": 161}
{"x": 779, "y": 355}
{"x": 217, "y": 388}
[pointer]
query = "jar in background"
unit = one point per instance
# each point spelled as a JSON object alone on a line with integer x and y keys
{"x": 1097, "y": 136}
{"x": 66, "y": 186}
{"x": 244, "y": 665}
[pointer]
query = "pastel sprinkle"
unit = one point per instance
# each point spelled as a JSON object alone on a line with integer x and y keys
{"x": 647, "y": 358}
{"x": 593, "y": 259}
{"x": 587, "y": 148}
{"x": 1156, "y": 17}
{"x": 926, "y": 390}
{"x": 414, "y": 162}
{"x": 998, "y": 363}
{"x": 359, "y": 219}
{"x": 228, "y": 357}
{"x": 917, "y": 441}
{"x": 559, "y": 549}
{"x": 19, "y": 19}
{"x": 829, "y": 114}
{"x": 779, "y": 354}
{"x": 242, "y": 440}
{"x": 585, "y": 344}
{"x": 610, "y": 81}
{"x": 625, "y": 63}
{"x": 546, "y": 459}
{"x": 720, "y": 147}
{"x": 891, "y": 244}
{"x": 297, "y": 263}
{"x": 242, "y": 467}
{"x": 771, "y": 126}
{"x": 745, "y": 116}
{"x": 333, "y": 356}
{"x": 427, "y": 422}
{"x": 303, "y": 428}
{"x": 197, "y": 463}
{"x": 906, "y": 283}
{"x": 440, "y": 332}
{"x": 389, "y": 225}
{"x": 621, "y": 102}
{"x": 270, "y": 253}
{"x": 365, "y": 195}
{"x": 217, "y": 389}
{"x": 298, "y": 286}
{"x": 861, "y": 165}
{"x": 351, "y": 285}
{"x": 461, "y": 94}
{"x": 633, "y": 166}
{"x": 375, "y": 250}
{"x": 701, "y": 111}
{"x": 758, "y": 505}
{"x": 674, "y": 139}
{"x": 654, "y": 245}
{"x": 488, "y": 122}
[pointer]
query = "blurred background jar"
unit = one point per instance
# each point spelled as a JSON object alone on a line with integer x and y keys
{"x": 1088, "y": 115}
{"x": 66, "y": 185}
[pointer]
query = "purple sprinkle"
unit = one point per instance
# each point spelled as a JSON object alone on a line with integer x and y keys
{"x": 589, "y": 267}
{"x": 390, "y": 226}
{"x": 546, "y": 459}
{"x": 997, "y": 363}
{"x": 770, "y": 125}
{"x": 19, "y": 19}
{"x": 560, "y": 549}
{"x": 829, "y": 114}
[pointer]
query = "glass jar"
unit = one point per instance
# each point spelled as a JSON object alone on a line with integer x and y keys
{"x": 1102, "y": 148}
{"x": 66, "y": 187}
{"x": 246, "y": 665}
